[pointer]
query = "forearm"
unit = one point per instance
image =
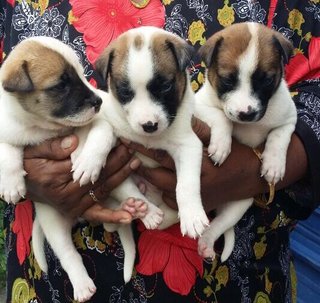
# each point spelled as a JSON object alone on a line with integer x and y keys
{"x": 239, "y": 176}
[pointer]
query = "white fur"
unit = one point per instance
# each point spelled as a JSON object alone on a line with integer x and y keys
{"x": 19, "y": 128}
{"x": 178, "y": 140}
{"x": 276, "y": 127}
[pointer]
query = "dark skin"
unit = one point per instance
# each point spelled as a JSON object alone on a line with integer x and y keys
{"x": 238, "y": 177}
{"x": 54, "y": 185}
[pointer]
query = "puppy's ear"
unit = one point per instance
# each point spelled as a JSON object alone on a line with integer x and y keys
{"x": 17, "y": 79}
{"x": 181, "y": 51}
{"x": 209, "y": 51}
{"x": 284, "y": 46}
{"x": 103, "y": 65}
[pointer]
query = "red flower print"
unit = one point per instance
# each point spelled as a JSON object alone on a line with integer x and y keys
{"x": 22, "y": 227}
{"x": 11, "y": 2}
{"x": 301, "y": 68}
{"x": 167, "y": 251}
{"x": 101, "y": 21}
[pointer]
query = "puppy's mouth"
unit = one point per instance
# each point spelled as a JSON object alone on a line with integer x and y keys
{"x": 249, "y": 116}
{"x": 80, "y": 119}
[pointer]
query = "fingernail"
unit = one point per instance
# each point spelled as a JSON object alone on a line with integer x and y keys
{"x": 135, "y": 163}
{"x": 131, "y": 151}
{"x": 125, "y": 220}
{"x": 66, "y": 142}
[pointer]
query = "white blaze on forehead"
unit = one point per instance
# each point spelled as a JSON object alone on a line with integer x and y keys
{"x": 249, "y": 59}
{"x": 140, "y": 63}
{"x": 241, "y": 99}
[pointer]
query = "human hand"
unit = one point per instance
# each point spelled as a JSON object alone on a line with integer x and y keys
{"x": 49, "y": 180}
{"x": 217, "y": 183}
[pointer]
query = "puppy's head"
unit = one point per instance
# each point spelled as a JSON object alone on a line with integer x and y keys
{"x": 46, "y": 79}
{"x": 145, "y": 71}
{"x": 245, "y": 67}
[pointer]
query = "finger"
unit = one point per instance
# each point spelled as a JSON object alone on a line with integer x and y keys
{"x": 170, "y": 200}
{"x": 162, "y": 178}
{"x": 48, "y": 167}
{"x": 117, "y": 159}
{"x": 202, "y": 130}
{"x": 54, "y": 149}
{"x": 159, "y": 155}
{"x": 105, "y": 186}
{"x": 98, "y": 213}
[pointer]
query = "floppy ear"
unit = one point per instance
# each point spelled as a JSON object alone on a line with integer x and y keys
{"x": 103, "y": 65}
{"x": 209, "y": 51}
{"x": 181, "y": 50}
{"x": 17, "y": 79}
{"x": 284, "y": 46}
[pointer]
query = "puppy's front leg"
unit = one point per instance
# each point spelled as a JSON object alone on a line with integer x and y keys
{"x": 275, "y": 153}
{"x": 188, "y": 158}
{"x": 95, "y": 142}
{"x": 221, "y": 132}
{"x": 12, "y": 183}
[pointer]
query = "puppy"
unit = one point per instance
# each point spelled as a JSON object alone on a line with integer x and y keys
{"x": 149, "y": 100}
{"x": 43, "y": 94}
{"x": 245, "y": 96}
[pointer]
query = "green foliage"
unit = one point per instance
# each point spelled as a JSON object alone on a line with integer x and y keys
{"x": 2, "y": 254}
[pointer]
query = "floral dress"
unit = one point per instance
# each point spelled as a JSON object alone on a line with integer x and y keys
{"x": 168, "y": 268}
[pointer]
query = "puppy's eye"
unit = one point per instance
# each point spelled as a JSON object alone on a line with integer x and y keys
{"x": 124, "y": 92}
{"x": 228, "y": 81}
{"x": 166, "y": 87}
{"x": 268, "y": 80}
{"x": 60, "y": 86}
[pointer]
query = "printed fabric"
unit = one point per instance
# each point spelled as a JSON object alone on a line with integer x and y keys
{"x": 260, "y": 268}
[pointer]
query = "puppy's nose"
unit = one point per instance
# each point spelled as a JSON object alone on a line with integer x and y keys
{"x": 249, "y": 115}
{"x": 150, "y": 127}
{"x": 95, "y": 102}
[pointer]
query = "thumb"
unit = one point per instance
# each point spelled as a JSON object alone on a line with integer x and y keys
{"x": 202, "y": 130}
{"x": 53, "y": 149}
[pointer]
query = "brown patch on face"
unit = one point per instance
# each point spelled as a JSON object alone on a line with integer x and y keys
{"x": 171, "y": 54}
{"x": 31, "y": 66}
{"x": 273, "y": 51}
{"x": 269, "y": 59}
{"x": 45, "y": 83}
{"x": 222, "y": 51}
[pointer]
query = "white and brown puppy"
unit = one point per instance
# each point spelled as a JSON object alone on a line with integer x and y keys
{"x": 43, "y": 94}
{"x": 245, "y": 96}
{"x": 150, "y": 101}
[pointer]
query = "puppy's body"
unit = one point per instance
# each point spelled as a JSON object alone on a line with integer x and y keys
{"x": 245, "y": 96}
{"x": 150, "y": 101}
{"x": 44, "y": 94}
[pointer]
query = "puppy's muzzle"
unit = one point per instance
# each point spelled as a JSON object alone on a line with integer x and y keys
{"x": 94, "y": 101}
{"x": 249, "y": 115}
{"x": 150, "y": 127}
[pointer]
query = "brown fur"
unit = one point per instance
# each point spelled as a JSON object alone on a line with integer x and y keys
{"x": 164, "y": 59}
{"x": 33, "y": 62}
{"x": 233, "y": 42}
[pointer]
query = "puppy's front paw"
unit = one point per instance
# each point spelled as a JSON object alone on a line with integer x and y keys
{"x": 153, "y": 218}
{"x": 86, "y": 168}
{"x": 219, "y": 149}
{"x": 273, "y": 167}
{"x": 12, "y": 186}
{"x": 193, "y": 222}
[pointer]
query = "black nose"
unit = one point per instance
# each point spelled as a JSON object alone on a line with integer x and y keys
{"x": 249, "y": 115}
{"x": 95, "y": 102}
{"x": 150, "y": 127}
